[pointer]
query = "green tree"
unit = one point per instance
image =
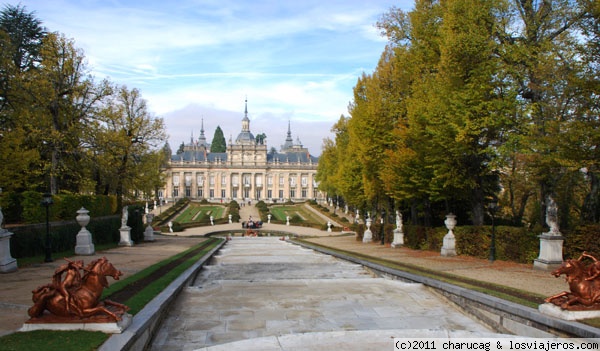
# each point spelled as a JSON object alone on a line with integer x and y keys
{"x": 25, "y": 32}
{"x": 129, "y": 137}
{"x": 538, "y": 39}
{"x": 21, "y": 34}
{"x": 60, "y": 98}
{"x": 218, "y": 143}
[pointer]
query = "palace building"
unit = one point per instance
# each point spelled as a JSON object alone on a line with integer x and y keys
{"x": 246, "y": 171}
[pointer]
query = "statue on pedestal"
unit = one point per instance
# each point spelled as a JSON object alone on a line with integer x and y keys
{"x": 77, "y": 297}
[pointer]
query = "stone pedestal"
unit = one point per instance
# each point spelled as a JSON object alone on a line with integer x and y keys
{"x": 551, "y": 251}
{"x": 552, "y": 310}
{"x": 368, "y": 235}
{"x": 125, "y": 236}
{"x": 149, "y": 233}
{"x": 84, "y": 245}
{"x": 449, "y": 244}
{"x": 398, "y": 238}
{"x": 7, "y": 263}
{"x": 105, "y": 327}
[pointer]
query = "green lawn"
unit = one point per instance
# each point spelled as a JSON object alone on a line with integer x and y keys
{"x": 280, "y": 213}
{"x": 200, "y": 213}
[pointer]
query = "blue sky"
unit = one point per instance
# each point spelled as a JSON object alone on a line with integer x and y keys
{"x": 295, "y": 60}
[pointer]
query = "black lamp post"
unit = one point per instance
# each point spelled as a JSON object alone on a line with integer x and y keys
{"x": 493, "y": 206}
{"x": 46, "y": 202}
{"x": 382, "y": 227}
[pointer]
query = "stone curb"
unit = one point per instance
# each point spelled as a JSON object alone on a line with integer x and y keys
{"x": 473, "y": 301}
{"x": 144, "y": 323}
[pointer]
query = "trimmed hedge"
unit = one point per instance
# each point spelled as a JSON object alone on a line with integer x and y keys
{"x": 30, "y": 240}
{"x": 26, "y": 207}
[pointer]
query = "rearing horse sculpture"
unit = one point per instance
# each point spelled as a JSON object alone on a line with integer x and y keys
{"x": 584, "y": 283}
{"x": 82, "y": 300}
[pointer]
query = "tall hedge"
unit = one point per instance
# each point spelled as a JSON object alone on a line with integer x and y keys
{"x": 26, "y": 207}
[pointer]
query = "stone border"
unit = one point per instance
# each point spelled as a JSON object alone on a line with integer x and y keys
{"x": 503, "y": 315}
{"x": 145, "y": 322}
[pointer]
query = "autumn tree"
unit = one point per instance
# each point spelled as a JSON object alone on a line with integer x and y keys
{"x": 128, "y": 138}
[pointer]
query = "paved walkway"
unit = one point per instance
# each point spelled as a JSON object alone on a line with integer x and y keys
{"x": 266, "y": 289}
{"x": 16, "y": 287}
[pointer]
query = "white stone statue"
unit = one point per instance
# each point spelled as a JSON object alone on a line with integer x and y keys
{"x": 125, "y": 216}
{"x": 398, "y": 220}
{"x": 552, "y": 216}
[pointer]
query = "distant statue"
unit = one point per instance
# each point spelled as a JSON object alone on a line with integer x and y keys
{"x": 76, "y": 296}
{"x": 125, "y": 216}
{"x": 584, "y": 284}
{"x": 398, "y": 220}
{"x": 552, "y": 216}
{"x": 1, "y": 218}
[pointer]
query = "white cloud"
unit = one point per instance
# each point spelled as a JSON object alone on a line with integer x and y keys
{"x": 295, "y": 60}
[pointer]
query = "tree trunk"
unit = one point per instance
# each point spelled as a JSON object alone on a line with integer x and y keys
{"x": 590, "y": 211}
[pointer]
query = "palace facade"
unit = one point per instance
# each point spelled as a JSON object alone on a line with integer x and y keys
{"x": 247, "y": 171}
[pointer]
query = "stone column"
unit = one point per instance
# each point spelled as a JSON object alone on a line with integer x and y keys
{"x": 84, "y": 246}
{"x": 551, "y": 242}
{"x": 398, "y": 233}
{"x": 449, "y": 246}
{"x": 7, "y": 263}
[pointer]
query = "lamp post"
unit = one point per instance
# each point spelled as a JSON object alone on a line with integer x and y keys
{"x": 46, "y": 202}
{"x": 492, "y": 207}
{"x": 382, "y": 227}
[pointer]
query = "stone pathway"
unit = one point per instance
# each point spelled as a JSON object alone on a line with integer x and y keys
{"x": 265, "y": 288}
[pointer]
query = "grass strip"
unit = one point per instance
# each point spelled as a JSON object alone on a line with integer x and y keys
{"x": 139, "y": 300}
{"x": 81, "y": 340}
{"x": 49, "y": 340}
{"x": 122, "y": 284}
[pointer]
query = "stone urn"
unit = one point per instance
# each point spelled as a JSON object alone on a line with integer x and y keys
{"x": 450, "y": 222}
{"x": 449, "y": 246}
{"x": 85, "y": 245}
{"x": 83, "y": 217}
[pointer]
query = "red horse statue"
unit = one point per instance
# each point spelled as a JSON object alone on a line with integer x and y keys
{"x": 584, "y": 283}
{"x": 78, "y": 297}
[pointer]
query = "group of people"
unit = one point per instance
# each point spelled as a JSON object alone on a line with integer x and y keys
{"x": 251, "y": 224}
